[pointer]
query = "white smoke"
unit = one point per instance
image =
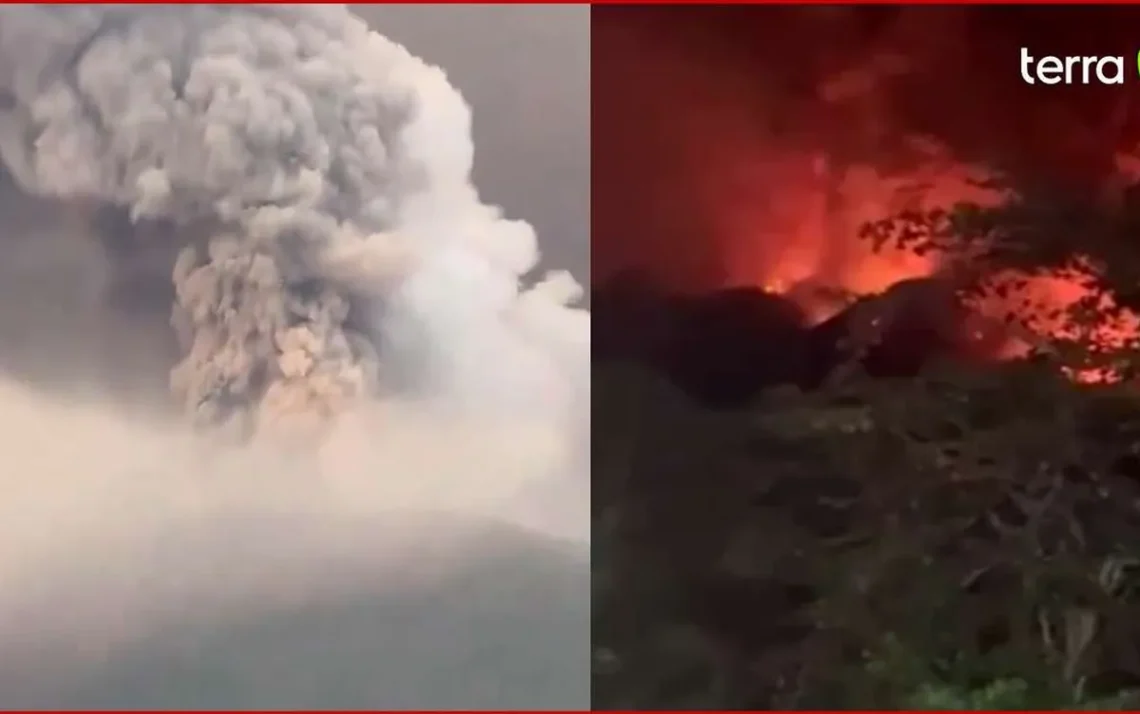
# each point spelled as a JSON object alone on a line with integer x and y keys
{"x": 339, "y": 286}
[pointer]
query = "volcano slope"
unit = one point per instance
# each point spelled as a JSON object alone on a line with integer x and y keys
{"x": 465, "y": 619}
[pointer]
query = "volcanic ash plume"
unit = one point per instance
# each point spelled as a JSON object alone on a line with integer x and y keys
{"x": 306, "y": 167}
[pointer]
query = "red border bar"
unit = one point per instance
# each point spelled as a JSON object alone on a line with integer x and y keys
{"x": 532, "y": 712}
{"x": 634, "y": 2}
{"x": 637, "y": 2}
{"x": 847, "y": 2}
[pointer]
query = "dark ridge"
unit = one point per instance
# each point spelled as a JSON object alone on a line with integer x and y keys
{"x": 723, "y": 348}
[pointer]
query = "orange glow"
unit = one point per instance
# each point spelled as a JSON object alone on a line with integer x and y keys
{"x": 793, "y": 229}
{"x": 1042, "y": 304}
{"x": 800, "y": 228}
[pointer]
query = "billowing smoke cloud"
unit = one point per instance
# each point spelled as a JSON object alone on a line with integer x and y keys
{"x": 295, "y": 188}
{"x": 309, "y": 157}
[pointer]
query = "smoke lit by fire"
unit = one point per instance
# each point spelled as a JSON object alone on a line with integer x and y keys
{"x": 799, "y": 237}
{"x": 779, "y": 188}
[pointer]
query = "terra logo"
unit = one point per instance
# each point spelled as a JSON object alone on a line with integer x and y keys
{"x": 1072, "y": 69}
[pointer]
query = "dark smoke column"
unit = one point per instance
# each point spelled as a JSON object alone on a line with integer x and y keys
{"x": 304, "y": 163}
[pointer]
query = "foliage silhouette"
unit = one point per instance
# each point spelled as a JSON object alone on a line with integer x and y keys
{"x": 982, "y": 520}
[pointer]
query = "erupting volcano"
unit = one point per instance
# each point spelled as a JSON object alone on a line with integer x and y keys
{"x": 291, "y": 417}
{"x": 751, "y": 148}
